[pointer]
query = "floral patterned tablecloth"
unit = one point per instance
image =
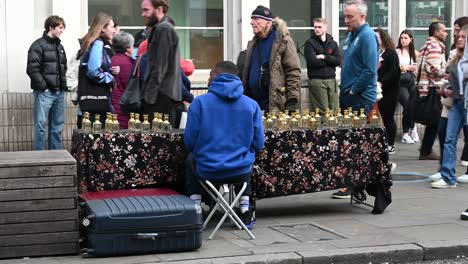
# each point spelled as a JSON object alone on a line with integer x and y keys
{"x": 294, "y": 162}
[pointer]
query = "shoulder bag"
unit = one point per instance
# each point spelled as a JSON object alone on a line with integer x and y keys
{"x": 425, "y": 109}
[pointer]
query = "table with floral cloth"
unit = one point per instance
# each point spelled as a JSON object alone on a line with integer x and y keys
{"x": 293, "y": 162}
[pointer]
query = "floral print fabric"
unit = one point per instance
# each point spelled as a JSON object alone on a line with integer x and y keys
{"x": 293, "y": 162}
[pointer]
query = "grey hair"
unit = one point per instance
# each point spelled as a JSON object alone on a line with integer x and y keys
{"x": 122, "y": 41}
{"x": 361, "y": 6}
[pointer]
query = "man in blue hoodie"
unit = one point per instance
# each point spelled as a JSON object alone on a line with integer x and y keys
{"x": 358, "y": 88}
{"x": 223, "y": 133}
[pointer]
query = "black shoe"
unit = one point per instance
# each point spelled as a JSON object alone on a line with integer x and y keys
{"x": 464, "y": 215}
{"x": 248, "y": 218}
{"x": 342, "y": 195}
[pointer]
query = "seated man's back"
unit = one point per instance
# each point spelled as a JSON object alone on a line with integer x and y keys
{"x": 224, "y": 128}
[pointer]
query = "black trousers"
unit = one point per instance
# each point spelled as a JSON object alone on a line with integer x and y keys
{"x": 387, "y": 108}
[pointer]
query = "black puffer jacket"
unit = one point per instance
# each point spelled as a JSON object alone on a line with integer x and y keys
{"x": 317, "y": 68}
{"x": 47, "y": 64}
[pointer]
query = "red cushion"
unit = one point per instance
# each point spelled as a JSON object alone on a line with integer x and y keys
{"x": 127, "y": 193}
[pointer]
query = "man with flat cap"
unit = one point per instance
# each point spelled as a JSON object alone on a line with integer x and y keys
{"x": 272, "y": 72}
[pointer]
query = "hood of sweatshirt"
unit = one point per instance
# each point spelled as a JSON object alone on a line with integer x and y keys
{"x": 227, "y": 86}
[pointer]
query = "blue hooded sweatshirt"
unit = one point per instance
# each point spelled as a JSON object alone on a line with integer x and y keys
{"x": 224, "y": 130}
{"x": 360, "y": 59}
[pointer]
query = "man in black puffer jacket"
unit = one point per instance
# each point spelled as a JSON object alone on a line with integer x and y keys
{"x": 46, "y": 67}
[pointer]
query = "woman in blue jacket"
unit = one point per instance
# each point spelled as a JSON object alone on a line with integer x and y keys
{"x": 95, "y": 65}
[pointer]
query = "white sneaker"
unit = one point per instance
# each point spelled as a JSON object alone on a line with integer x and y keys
{"x": 406, "y": 139}
{"x": 393, "y": 167}
{"x": 435, "y": 177}
{"x": 464, "y": 163}
{"x": 391, "y": 150}
{"x": 463, "y": 178}
{"x": 441, "y": 184}
{"x": 415, "y": 135}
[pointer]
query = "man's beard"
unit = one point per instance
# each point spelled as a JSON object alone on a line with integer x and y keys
{"x": 151, "y": 21}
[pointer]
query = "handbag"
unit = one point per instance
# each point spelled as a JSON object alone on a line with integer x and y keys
{"x": 407, "y": 79}
{"x": 425, "y": 110}
{"x": 93, "y": 97}
{"x": 132, "y": 98}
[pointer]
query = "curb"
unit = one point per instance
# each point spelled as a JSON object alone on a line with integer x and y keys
{"x": 279, "y": 258}
{"x": 444, "y": 249}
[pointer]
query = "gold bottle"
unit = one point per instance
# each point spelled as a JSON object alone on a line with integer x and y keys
{"x": 137, "y": 126}
{"x": 347, "y": 121}
{"x": 350, "y": 112}
{"x": 145, "y": 126}
{"x": 97, "y": 125}
{"x": 313, "y": 123}
{"x": 318, "y": 118}
{"x": 362, "y": 117}
{"x": 86, "y": 123}
{"x": 115, "y": 123}
{"x": 339, "y": 117}
{"x": 131, "y": 122}
{"x": 275, "y": 118}
{"x": 109, "y": 126}
{"x": 305, "y": 120}
{"x": 375, "y": 120}
{"x": 356, "y": 120}
{"x": 270, "y": 124}
{"x": 167, "y": 124}
{"x": 331, "y": 120}
{"x": 294, "y": 122}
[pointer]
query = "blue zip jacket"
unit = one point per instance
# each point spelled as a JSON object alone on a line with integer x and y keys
{"x": 224, "y": 130}
{"x": 99, "y": 63}
{"x": 360, "y": 59}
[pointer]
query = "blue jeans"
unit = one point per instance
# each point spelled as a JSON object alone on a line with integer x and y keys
{"x": 356, "y": 102}
{"x": 48, "y": 108}
{"x": 456, "y": 121}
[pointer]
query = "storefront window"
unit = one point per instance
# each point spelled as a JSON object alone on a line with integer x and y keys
{"x": 199, "y": 24}
{"x": 421, "y": 13}
{"x": 377, "y": 16}
{"x": 299, "y": 15}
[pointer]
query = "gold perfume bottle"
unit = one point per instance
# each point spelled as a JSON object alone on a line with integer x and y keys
{"x": 115, "y": 123}
{"x": 347, "y": 121}
{"x": 331, "y": 121}
{"x": 375, "y": 120}
{"x": 313, "y": 123}
{"x": 167, "y": 124}
{"x": 131, "y": 122}
{"x": 294, "y": 122}
{"x": 145, "y": 126}
{"x": 356, "y": 120}
{"x": 270, "y": 124}
{"x": 97, "y": 125}
{"x": 109, "y": 126}
{"x": 86, "y": 123}
{"x": 362, "y": 117}
{"x": 339, "y": 117}
{"x": 318, "y": 118}
{"x": 137, "y": 126}
{"x": 305, "y": 120}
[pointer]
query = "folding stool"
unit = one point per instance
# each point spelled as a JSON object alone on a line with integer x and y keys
{"x": 221, "y": 202}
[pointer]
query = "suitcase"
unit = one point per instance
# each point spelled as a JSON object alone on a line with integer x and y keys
{"x": 142, "y": 221}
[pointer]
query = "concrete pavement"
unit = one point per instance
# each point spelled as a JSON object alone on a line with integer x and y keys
{"x": 420, "y": 224}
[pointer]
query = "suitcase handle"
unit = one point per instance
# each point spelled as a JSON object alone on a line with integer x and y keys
{"x": 151, "y": 236}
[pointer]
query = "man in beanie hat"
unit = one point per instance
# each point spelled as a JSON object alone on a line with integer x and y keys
{"x": 273, "y": 88}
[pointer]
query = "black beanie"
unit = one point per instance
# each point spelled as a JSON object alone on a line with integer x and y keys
{"x": 263, "y": 12}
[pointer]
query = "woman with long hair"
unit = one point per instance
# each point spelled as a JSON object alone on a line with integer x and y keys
{"x": 96, "y": 65}
{"x": 407, "y": 56}
{"x": 388, "y": 76}
{"x": 457, "y": 69}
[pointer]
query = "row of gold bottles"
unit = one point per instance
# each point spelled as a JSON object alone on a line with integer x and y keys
{"x": 160, "y": 122}
{"x": 331, "y": 120}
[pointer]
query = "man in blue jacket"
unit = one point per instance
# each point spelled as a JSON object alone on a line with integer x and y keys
{"x": 223, "y": 133}
{"x": 358, "y": 88}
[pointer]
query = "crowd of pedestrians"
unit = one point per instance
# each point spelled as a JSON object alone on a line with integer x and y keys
{"x": 374, "y": 75}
